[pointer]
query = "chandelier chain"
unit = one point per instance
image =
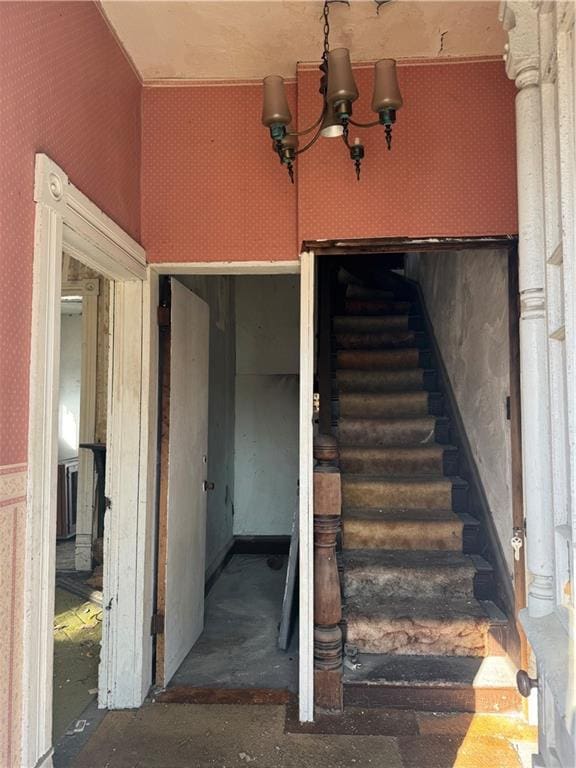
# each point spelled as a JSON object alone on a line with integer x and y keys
{"x": 326, "y": 13}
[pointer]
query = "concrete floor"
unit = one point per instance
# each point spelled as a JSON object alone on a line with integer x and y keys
{"x": 225, "y": 736}
{"x": 238, "y": 648}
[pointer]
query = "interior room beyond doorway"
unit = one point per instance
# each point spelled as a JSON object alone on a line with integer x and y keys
{"x": 251, "y": 481}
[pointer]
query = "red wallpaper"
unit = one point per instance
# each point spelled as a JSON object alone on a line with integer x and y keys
{"x": 66, "y": 90}
{"x": 209, "y": 196}
{"x": 211, "y": 190}
{"x": 451, "y": 171}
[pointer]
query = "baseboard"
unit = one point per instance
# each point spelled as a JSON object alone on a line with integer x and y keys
{"x": 218, "y": 564}
{"x": 261, "y": 545}
{"x": 479, "y": 506}
{"x": 46, "y": 760}
{"x": 244, "y": 545}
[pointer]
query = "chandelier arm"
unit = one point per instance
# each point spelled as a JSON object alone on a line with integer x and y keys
{"x": 363, "y": 125}
{"x": 311, "y": 128}
{"x": 312, "y": 141}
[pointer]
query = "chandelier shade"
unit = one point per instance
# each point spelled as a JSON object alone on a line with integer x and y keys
{"x": 386, "y": 93}
{"x": 341, "y": 84}
{"x": 275, "y": 110}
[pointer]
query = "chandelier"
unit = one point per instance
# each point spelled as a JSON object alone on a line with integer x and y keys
{"x": 339, "y": 92}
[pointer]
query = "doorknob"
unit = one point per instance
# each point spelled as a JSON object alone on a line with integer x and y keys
{"x": 525, "y": 683}
{"x": 207, "y": 486}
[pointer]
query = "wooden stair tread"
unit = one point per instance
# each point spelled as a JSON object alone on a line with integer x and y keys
{"x": 393, "y": 515}
{"x": 370, "y": 559}
{"x": 348, "y": 479}
{"x": 391, "y": 420}
{"x": 423, "y": 610}
{"x": 423, "y": 671}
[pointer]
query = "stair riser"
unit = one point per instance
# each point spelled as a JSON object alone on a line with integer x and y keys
{"x": 377, "y": 307}
{"x": 391, "y": 495}
{"x": 433, "y": 698}
{"x": 381, "y": 340}
{"x": 357, "y": 292}
{"x": 367, "y": 324}
{"x": 379, "y": 359}
{"x": 368, "y": 432}
{"x": 384, "y": 381}
{"x": 407, "y": 582}
{"x": 385, "y": 406}
{"x": 392, "y": 462}
{"x": 406, "y": 637}
{"x": 409, "y": 535}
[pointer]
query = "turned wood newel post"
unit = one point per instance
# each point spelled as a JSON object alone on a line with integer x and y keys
{"x": 327, "y": 599}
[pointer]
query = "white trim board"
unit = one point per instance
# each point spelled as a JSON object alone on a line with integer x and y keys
{"x": 305, "y": 266}
{"x": 66, "y": 221}
{"x": 227, "y": 268}
{"x": 91, "y": 236}
{"x": 306, "y": 528}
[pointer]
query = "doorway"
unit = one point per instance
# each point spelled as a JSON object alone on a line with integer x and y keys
{"x": 423, "y": 352}
{"x": 229, "y": 381}
{"x": 82, "y": 414}
{"x": 68, "y": 223}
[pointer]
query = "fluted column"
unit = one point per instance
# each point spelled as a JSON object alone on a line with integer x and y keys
{"x": 523, "y": 65}
{"x": 327, "y": 595}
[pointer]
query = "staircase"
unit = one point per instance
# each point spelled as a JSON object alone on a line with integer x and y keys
{"x": 421, "y": 626}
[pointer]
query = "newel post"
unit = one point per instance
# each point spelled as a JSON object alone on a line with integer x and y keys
{"x": 327, "y": 597}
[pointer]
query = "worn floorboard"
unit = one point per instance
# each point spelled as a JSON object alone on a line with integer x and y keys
{"x": 227, "y": 736}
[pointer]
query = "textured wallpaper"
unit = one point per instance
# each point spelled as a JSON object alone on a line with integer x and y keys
{"x": 451, "y": 171}
{"x": 66, "y": 89}
{"x": 213, "y": 190}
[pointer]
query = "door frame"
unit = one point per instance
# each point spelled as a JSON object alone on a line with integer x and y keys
{"x": 304, "y": 266}
{"x": 67, "y": 222}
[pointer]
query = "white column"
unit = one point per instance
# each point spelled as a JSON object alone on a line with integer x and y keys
{"x": 523, "y": 66}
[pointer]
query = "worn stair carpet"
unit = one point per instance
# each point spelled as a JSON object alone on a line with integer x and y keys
{"x": 413, "y": 583}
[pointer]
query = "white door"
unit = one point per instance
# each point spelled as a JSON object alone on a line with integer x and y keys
{"x": 184, "y": 533}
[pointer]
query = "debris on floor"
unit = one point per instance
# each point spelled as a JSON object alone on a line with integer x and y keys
{"x": 77, "y": 635}
{"x": 232, "y": 736}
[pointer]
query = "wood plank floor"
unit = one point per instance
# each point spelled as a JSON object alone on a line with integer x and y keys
{"x": 218, "y": 736}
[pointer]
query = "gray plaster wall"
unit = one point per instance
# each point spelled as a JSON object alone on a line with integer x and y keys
{"x": 266, "y": 433}
{"x": 466, "y": 296}
{"x": 218, "y": 293}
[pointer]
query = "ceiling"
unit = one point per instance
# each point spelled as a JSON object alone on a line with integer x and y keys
{"x": 245, "y": 39}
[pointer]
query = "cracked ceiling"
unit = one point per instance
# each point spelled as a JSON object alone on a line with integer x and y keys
{"x": 245, "y": 39}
